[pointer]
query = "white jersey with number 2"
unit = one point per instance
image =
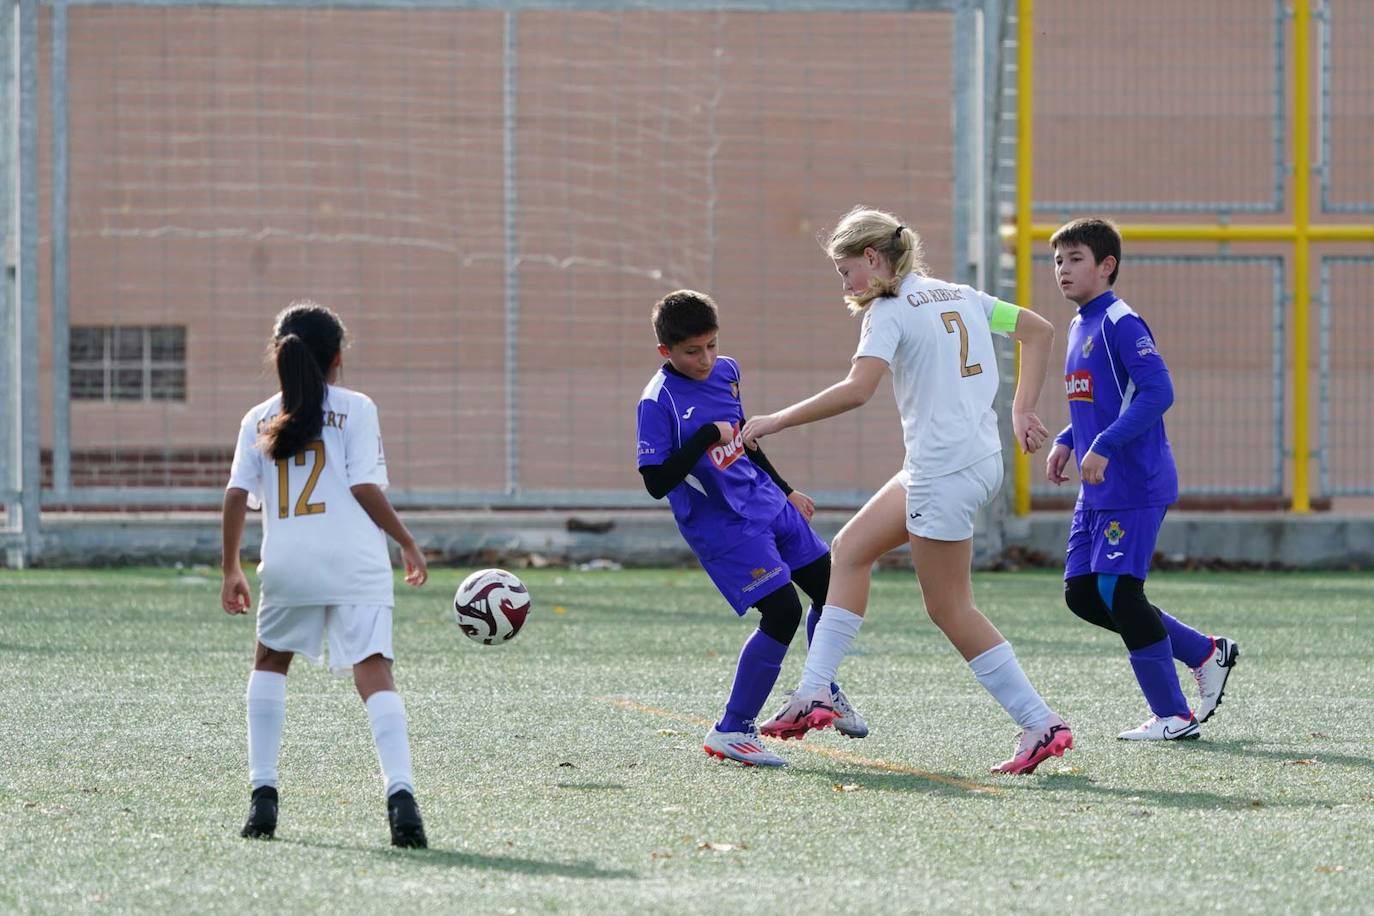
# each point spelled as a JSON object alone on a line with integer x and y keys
{"x": 319, "y": 545}
{"x": 936, "y": 338}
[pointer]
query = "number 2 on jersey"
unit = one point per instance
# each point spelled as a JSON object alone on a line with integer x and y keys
{"x": 303, "y": 504}
{"x": 951, "y": 319}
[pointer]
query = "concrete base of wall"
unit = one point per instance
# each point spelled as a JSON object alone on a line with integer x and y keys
{"x": 522, "y": 538}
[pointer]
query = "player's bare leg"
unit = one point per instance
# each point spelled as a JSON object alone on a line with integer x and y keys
{"x": 874, "y": 530}
{"x": 942, "y": 567}
{"x": 372, "y": 676}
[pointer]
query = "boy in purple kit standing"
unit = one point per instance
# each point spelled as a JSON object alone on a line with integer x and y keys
{"x": 748, "y": 528}
{"x": 1118, "y": 388}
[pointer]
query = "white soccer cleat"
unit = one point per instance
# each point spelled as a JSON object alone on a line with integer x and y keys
{"x": 1170, "y": 728}
{"x": 847, "y": 721}
{"x": 801, "y": 713}
{"x": 1211, "y": 677}
{"x": 745, "y": 747}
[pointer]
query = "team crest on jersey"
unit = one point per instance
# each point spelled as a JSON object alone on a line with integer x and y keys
{"x": 734, "y": 390}
{"x": 1114, "y": 533}
{"x": 1079, "y": 386}
{"x": 727, "y": 453}
{"x": 1087, "y": 347}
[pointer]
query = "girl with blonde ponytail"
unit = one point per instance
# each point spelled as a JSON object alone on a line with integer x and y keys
{"x": 936, "y": 338}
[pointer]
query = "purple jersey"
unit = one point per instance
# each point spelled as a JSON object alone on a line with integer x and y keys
{"x": 726, "y": 499}
{"x": 1110, "y": 352}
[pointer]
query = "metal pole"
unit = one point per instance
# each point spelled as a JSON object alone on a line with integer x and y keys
{"x": 1024, "y": 203}
{"x": 965, "y": 64}
{"x": 9, "y": 336}
{"x": 61, "y": 314}
{"x": 512, "y": 374}
{"x": 30, "y": 468}
{"x": 1302, "y": 293}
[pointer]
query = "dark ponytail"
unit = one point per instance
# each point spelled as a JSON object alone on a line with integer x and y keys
{"x": 305, "y": 342}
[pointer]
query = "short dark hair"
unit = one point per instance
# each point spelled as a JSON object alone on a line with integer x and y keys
{"x": 1097, "y": 235}
{"x": 683, "y": 314}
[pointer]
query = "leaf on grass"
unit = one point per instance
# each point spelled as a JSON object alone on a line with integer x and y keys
{"x": 1256, "y": 803}
{"x": 847, "y": 787}
{"x": 660, "y": 855}
{"x": 1141, "y": 812}
{"x": 721, "y": 847}
{"x": 559, "y": 609}
{"x": 1305, "y": 762}
{"x": 1330, "y": 869}
{"x": 666, "y": 732}
{"x": 1320, "y": 735}
{"x": 568, "y": 765}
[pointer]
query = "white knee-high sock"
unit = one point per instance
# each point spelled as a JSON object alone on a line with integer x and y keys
{"x": 1000, "y": 674}
{"x": 266, "y": 712}
{"x": 387, "y": 712}
{"x": 835, "y": 631}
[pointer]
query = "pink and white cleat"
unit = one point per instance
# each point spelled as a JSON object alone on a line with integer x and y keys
{"x": 1050, "y": 739}
{"x": 800, "y": 714}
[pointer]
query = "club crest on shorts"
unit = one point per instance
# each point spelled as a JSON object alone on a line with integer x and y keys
{"x": 1114, "y": 533}
{"x": 758, "y": 572}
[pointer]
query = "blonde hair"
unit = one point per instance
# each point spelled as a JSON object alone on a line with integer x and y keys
{"x": 863, "y": 228}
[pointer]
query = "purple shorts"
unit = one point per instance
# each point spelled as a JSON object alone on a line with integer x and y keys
{"x": 760, "y": 566}
{"x": 1113, "y": 542}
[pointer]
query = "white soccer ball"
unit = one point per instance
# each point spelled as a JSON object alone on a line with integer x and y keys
{"x": 491, "y": 606}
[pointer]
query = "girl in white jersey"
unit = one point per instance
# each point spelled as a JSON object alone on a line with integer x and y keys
{"x": 311, "y": 458}
{"x": 936, "y": 337}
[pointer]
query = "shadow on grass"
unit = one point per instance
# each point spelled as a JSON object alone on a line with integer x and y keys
{"x": 1242, "y": 748}
{"x": 1084, "y": 784}
{"x": 450, "y": 858}
{"x": 948, "y": 785}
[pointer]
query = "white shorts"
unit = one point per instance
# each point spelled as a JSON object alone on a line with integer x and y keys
{"x": 356, "y": 631}
{"x": 943, "y": 508}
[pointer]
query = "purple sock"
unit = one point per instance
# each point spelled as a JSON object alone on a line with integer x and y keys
{"x": 1190, "y": 647}
{"x": 813, "y": 617}
{"x": 759, "y": 663}
{"x": 1154, "y": 671}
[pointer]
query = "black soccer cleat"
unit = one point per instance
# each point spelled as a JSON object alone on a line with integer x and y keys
{"x": 407, "y": 827}
{"x": 262, "y": 814}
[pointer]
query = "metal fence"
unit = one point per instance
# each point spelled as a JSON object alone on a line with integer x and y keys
{"x": 493, "y": 194}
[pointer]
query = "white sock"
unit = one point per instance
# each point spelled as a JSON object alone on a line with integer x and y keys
{"x": 266, "y": 712}
{"x": 834, "y": 632}
{"x": 1001, "y": 675}
{"x": 387, "y": 713}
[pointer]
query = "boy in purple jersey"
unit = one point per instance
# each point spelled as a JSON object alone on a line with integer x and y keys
{"x": 1118, "y": 389}
{"x": 748, "y": 528}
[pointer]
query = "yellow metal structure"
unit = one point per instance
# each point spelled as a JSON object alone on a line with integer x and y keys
{"x": 1300, "y": 231}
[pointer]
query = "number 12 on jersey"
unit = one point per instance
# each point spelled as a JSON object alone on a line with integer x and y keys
{"x": 303, "y": 504}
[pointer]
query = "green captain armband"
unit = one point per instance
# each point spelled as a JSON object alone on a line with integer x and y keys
{"x": 1003, "y": 318}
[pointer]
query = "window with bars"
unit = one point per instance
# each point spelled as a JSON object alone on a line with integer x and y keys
{"x": 128, "y": 363}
